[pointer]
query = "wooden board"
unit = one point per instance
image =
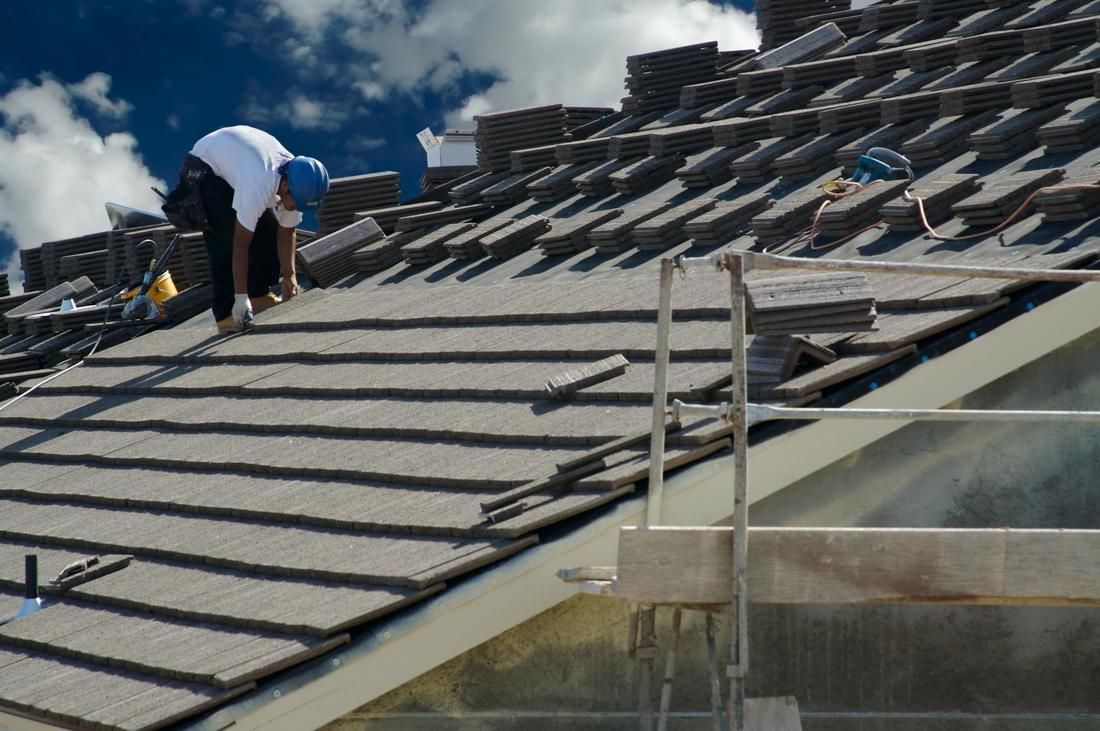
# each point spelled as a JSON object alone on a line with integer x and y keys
{"x": 863, "y": 565}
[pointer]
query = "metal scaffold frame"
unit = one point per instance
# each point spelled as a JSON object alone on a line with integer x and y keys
{"x": 741, "y": 415}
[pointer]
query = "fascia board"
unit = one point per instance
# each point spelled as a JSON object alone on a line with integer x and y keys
{"x": 480, "y": 609}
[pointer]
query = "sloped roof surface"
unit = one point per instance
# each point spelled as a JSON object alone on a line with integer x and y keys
{"x": 280, "y": 488}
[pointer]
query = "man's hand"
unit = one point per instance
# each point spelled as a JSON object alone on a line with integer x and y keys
{"x": 290, "y": 287}
{"x": 242, "y": 310}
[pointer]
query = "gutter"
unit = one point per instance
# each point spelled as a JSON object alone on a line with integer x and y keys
{"x": 396, "y": 651}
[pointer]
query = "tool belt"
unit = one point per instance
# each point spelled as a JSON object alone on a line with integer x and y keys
{"x": 183, "y": 206}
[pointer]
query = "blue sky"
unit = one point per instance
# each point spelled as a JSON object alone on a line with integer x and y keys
{"x": 113, "y": 94}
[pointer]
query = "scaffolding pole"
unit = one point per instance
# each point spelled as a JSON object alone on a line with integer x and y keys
{"x": 739, "y": 608}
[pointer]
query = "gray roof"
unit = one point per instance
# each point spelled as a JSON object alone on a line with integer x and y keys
{"x": 280, "y": 489}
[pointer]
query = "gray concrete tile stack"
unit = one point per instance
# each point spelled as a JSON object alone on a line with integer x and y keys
{"x": 997, "y": 44}
{"x": 53, "y": 252}
{"x": 533, "y": 158}
{"x": 1080, "y": 204}
{"x": 1011, "y": 134}
{"x": 93, "y": 264}
{"x": 645, "y": 174}
{"x": 452, "y": 214}
{"x": 34, "y": 276}
{"x": 987, "y": 20}
{"x": 590, "y": 150}
{"x": 570, "y": 235}
{"x": 727, "y": 220}
{"x": 328, "y": 259}
{"x": 976, "y": 98}
{"x": 387, "y": 217}
{"x": 356, "y": 193}
{"x": 469, "y": 192}
{"x": 855, "y": 89}
{"x": 596, "y": 183}
{"x": 783, "y": 101}
{"x": 938, "y": 196}
{"x": 711, "y": 167}
{"x": 797, "y": 305}
{"x": 681, "y": 140}
{"x": 467, "y": 245}
{"x": 434, "y": 177}
{"x": 500, "y": 133}
{"x": 654, "y": 80}
{"x": 430, "y": 248}
{"x": 515, "y": 238}
{"x": 617, "y": 234}
{"x": 383, "y": 253}
{"x": 1045, "y": 11}
{"x": 814, "y": 158}
{"x": 1033, "y": 64}
{"x": 860, "y": 209}
{"x": 1000, "y": 196}
{"x": 795, "y": 123}
{"x": 944, "y": 139}
{"x": 513, "y": 189}
{"x": 666, "y": 230}
{"x": 777, "y": 20}
{"x": 943, "y": 8}
{"x": 558, "y": 184}
{"x": 931, "y": 56}
{"x": 1082, "y": 59}
{"x": 1048, "y": 90}
{"x": 883, "y": 16}
{"x": 1076, "y": 129}
{"x": 759, "y": 165}
{"x": 708, "y": 92}
{"x": 919, "y": 32}
{"x": 787, "y": 217}
{"x": 5, "y": 289}
{"x": 579, "y": 116}
{"x": 739, "y": 131}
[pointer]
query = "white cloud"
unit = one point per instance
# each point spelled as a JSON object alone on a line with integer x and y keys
{"x": 298, "y": 110}
{"x": 94, "y": 89}
{"x": 57, "y": 170}
{"x": 569, "y": 51}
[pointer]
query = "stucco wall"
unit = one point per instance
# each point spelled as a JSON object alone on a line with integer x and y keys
{"x": 851, "y": 668}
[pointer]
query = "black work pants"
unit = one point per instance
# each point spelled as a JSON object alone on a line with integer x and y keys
{"x": 263, "y": 253}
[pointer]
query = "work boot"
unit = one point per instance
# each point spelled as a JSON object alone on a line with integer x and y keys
{"x": 264, "y": 302}
{"x": 227, "y": 325}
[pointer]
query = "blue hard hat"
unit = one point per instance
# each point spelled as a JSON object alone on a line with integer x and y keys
{"x": 308, "y": 181}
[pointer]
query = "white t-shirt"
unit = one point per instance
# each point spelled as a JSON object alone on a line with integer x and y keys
{"x": 249, "y": 160}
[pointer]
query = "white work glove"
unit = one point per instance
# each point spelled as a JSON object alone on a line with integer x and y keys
{"x": 242, "y": 310}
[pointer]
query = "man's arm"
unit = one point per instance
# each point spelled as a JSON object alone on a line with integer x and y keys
{"x": 242, "y": 239}
{"x": 287, "y": 243}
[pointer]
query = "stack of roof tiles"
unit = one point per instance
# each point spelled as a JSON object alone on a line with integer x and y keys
{"x": 1076, "y": 129}
{"x": 516, "y": 237}
{"x": 789, "y": 305}
{"x": 618, "y": 233}
{"x": 499, "y": 133}
{"x": 348, "y": 195}
{"x": 777, "y": 20}
{"x": 570, "y": 235}
{"x": 1001, "y": 196}
{"x": 328, "y": 259}
{"x": 433, "y": 177}
{"x": 665, "y": 230}
{"x": 430, "y": 248}
{"x": 654, "y": 80}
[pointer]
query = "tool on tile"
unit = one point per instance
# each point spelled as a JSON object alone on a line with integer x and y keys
{"x": 147, "y": 301}
{"x": 881, "y": 163}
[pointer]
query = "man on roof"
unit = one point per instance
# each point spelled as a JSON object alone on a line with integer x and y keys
{"x": 253, "y": 192}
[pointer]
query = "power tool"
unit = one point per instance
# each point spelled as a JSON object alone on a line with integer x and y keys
{"x": 142, "y": 306}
